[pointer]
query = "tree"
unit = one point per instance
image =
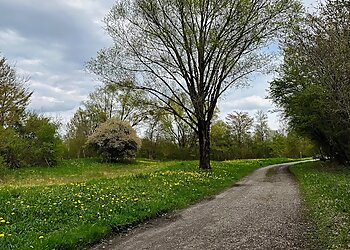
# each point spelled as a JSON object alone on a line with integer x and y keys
{"x": 240, "y": 124}
{"x": 200, "y": 48}
{"x": 106, "y": 102}
{"x": 314, "y": 85}
{"x": 221, "y": 141}
{"x": 43, "y": 141}
{"x": 115, "y": 140}
{"x": 261, "y": 127}
{"x": 261, "y": 138}
{"x": 83, "y": 123}
{"x": 120, "y": 103}
{"x": 14, "y": 95}
{"x": 34, "y": 142}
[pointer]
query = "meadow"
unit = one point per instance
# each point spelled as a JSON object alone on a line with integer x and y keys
{"x": 77, "y": 203}
{"x": 326, "y": 189}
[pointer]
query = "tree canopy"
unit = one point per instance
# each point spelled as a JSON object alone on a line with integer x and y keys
{"x": 197, "y": 48}
{"x": 313, "y": 88}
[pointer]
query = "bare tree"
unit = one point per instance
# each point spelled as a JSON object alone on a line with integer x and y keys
{"x": 200, "y": 48}
{"x": 261, "y": 127}
{"x": 120, "y": 103}
{"x": 14, "y": 95}
{"x": 240, "y": 124}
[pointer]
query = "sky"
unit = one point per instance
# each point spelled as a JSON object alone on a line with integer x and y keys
{"x": 51, "y": 41}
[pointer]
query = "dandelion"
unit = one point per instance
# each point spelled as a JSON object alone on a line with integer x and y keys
{"x": 3, "y": 221}
{"x": 2, "y": 235}
{"x": 41, "y": 237}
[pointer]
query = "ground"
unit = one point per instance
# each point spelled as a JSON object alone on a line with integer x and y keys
{"x": 263, "y": 211}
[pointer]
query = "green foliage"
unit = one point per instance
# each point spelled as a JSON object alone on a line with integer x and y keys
{"x": 326, "y": 190}
{"x": 163, "y": 149}
{"x": 13, "y": 148}
{"x": 107, "y": 101}
{"x": 3, "y": 169}
{"x": 313, "y": 87}
{"x": 75, "y": 215}
{"x": 45, "y": 146}
{"x": 231, "y": 142}
{"x": 35, "y": 142}
{"x": 115, "y": 140}
{"x": 221, "y": 141}
{"x": 14, "y": 95}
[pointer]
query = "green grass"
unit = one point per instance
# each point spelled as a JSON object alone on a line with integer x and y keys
{"x": 327, "y": 193}
{"x": 77, "y": 170}
{"x": 40, "y": 208}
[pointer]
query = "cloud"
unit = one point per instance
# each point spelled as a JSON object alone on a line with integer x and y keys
{"x": 248, "y": 103}
{"x": 50, "y": 41}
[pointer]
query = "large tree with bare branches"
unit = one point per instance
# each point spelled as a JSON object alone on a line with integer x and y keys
{"x": 199, "y": 48}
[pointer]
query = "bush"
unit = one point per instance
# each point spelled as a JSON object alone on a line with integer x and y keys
{"x": 115, "y": 140}
{"x": 35, "y": 142}
{"x": 41, "y": 135}
{"x": 13, "y": 148}
{"x": 3, "y": 169}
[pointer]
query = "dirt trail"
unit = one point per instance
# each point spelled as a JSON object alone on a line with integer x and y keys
{"x": 260, "y": 212}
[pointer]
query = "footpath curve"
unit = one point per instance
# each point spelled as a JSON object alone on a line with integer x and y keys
{"x": 262, "y": 211}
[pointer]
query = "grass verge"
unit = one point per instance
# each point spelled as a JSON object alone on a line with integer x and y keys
{"x": 78, "y": 214}
{"x": 326, "y": 190}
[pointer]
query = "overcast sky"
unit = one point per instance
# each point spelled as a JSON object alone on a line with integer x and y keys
{"x": 51, "y": 41}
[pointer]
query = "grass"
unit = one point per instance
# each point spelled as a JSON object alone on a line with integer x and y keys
{"x": 81, "y": 201}
{"x": 76, "y": 170}
{"x": 326, "y": 189}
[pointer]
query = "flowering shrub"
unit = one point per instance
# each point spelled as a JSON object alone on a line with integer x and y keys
{"x": 115, "y": 140}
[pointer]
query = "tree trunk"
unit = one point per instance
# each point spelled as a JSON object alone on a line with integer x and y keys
{"x": 204, "y": 144}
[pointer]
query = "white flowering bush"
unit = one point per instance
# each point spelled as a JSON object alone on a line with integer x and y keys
{"x": 115, "y": 140}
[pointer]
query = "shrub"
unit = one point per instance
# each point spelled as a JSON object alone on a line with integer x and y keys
{"x": 115, "y": 140}
{"x": 41, "y": 135}
{"x": 13, "y": 148}
{"x": 35, "y": 142}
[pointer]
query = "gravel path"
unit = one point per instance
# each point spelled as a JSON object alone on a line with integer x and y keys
{"x": 259, "y": 212}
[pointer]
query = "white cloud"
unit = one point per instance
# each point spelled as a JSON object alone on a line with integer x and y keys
{"x": 248, "y": 103}
{"x": 51, "y": 40}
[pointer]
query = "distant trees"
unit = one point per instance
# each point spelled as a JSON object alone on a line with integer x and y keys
{"x": 199, "y": 48}
{"x": 262, "y": 135}
{"x": 115, "y": 140}
{"x": 248, "y": 138}
{"x": 106, "y": 102}
{"x": 313, "y": 88}
{"x": 14, "y": 95}
{"x": 240, "y": 124}
{"x": 34, "y": 142}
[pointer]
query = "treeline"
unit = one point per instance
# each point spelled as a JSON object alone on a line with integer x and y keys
{"x": 167, "y": 137}
{"x": 239, "y": 137}
{"x": 29, "y": 139}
